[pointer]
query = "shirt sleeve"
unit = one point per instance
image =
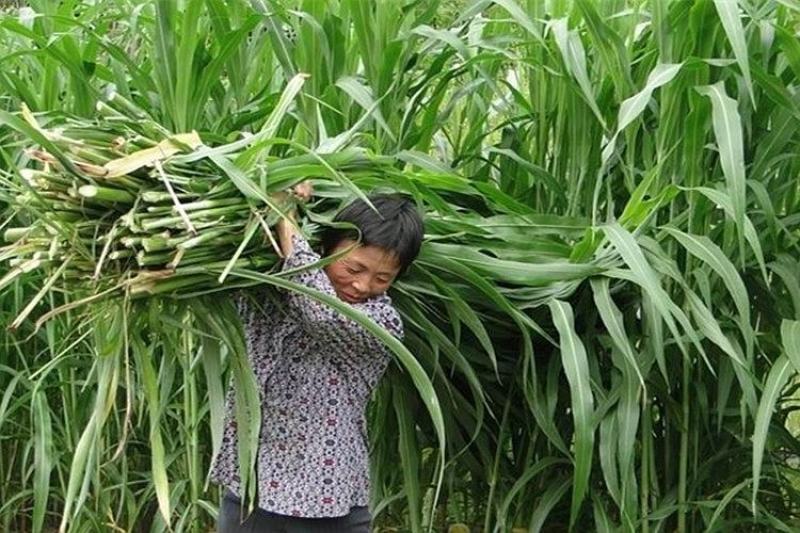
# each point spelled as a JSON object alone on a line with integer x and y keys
{"x": 322, "y": 321}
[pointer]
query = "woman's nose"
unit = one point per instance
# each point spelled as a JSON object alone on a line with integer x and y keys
{"x": 360, "y": 285}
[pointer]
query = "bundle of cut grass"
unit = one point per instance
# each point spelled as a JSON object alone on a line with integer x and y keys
{"x": 120, "y": 204}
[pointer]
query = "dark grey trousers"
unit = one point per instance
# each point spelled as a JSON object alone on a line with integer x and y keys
{"x": 261, "y": 521}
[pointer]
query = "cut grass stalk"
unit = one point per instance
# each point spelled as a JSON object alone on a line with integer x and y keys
{"x": 106, "y": 193}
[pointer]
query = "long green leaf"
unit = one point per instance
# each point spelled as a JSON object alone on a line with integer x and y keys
{"x": 730, "y": 141}
{"x": 576, "y": 367}
{"x": 574, "y": 55}
{"x": 409, "y": 457}
{"x": 631, "y": 108}
{"x": 644, "y": 274}
{"x": 782, "y": 369}
{"x": 43, "y": 457}
{"x": 612, "y": 318}
{"x": 728, "y": 11}
{"x": 704, "y": 249}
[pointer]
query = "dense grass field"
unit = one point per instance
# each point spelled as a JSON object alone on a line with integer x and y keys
{"x": 603, "y": 328}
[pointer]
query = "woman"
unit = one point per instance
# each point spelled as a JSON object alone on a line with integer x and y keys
{"x": 316, "y": 370}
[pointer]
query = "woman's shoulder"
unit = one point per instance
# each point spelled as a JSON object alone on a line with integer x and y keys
{"x": 382, "y": 310}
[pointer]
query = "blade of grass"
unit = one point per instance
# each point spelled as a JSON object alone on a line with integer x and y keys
{"x": 576, "y": 367}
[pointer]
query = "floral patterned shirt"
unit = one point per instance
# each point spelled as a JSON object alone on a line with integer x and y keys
{"x": 315, "y": 369}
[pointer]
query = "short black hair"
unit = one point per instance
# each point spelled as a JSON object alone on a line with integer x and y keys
{"x": 394, "y": 225}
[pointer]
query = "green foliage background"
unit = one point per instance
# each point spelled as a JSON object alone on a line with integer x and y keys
{"x": 606, "y": 310}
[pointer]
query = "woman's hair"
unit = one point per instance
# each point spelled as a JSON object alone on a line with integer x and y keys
{"x": 394, "y": 225}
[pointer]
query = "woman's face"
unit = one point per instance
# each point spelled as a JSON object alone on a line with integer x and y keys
{"x": 365, "y": 271}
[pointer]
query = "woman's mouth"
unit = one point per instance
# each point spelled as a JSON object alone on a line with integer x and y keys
{"x": 349, "y": 298}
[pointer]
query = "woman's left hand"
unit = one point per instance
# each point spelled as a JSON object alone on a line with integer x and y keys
{"x": 304, "y": 190}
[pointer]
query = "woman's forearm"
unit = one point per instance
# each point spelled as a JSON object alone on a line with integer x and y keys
{"x": 286, "y": 230}
{"x": 287, "y": 226}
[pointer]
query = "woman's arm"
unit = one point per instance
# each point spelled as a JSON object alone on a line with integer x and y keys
{"x": 287, "y": 226}
{"x": 286, "y": 233}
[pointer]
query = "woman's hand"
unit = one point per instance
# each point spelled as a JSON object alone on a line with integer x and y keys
{"x": 304, "y": 190}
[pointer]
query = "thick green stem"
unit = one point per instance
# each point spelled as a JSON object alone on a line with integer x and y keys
{"x": 644, "y": 484}
{"x": 684, "y": 454}
{"x": 498, "y": 454}
{"x": 177, "y": 221}
{"x": 106, "y": 193}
